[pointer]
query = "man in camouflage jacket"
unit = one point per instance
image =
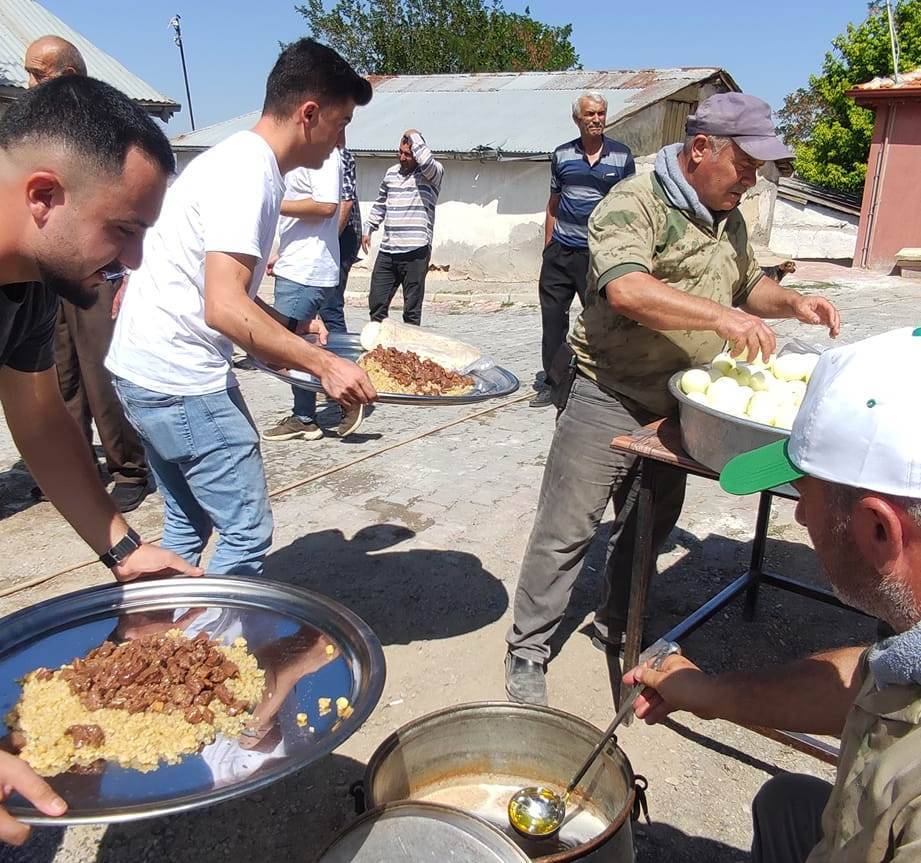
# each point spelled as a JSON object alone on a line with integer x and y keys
{"x": 673, "y": 279}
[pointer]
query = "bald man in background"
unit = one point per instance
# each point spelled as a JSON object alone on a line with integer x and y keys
{"x": 50, "y": 57}
{"x": 82, "y": 336}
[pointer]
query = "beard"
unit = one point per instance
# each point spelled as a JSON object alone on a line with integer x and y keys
{"x": 79, "y": 293}
{"x": 857, "y": 584}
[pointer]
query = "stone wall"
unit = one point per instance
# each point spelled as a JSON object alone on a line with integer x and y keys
{"x": 812, "y": 231}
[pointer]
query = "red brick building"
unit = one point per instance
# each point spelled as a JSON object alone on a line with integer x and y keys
{"x": 890, "y": 217}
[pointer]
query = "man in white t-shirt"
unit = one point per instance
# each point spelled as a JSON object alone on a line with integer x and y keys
{"x": 306, "y": 278}
{"x": 194, "y": 296}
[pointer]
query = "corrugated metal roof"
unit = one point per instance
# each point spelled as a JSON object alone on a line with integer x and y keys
{"x": 799, "y": 191}
{"x": 526, "y": 113}
{"x": 24, "y": 21}
{"x": 907, "y": 81}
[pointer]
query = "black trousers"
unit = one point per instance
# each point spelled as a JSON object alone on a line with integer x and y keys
{"x": 349, "y": 244}
{"x": 406, "y": 270}
{"x": 787, "y": 816}
{"x": 563, "y": 274}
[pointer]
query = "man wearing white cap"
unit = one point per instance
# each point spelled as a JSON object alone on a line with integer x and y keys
{"x": 854, "y": 455}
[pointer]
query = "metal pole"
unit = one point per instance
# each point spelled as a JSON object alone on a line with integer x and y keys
{"x": 893, "y": 41}
{"x": 174, "y": 23}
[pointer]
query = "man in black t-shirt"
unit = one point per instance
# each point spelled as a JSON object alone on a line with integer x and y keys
{"x": 82, "y": 336}
{"x": 83, "y": 172}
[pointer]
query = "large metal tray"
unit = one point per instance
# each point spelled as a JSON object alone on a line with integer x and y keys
{"x": 489, "y": 384}
{"x": 714, "y": 438}
{"x": 279, "y": 622}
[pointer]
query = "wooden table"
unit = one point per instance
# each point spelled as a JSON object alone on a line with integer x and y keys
{"x": 657, "y": 446}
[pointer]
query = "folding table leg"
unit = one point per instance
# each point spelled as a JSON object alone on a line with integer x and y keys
{"x": 642, "y": 564}
{"x": 756, "y": 567}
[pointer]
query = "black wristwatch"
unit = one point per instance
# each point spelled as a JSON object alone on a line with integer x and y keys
{"x": 118, "y": 552}
{"x": 292, "y": 324}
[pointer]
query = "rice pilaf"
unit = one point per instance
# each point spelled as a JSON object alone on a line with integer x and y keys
{"x": 394, "y": 371}
{"x": 49, "y": 707}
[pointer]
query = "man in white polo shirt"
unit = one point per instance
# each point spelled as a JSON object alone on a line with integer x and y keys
{"x": 195, "y": 295}
{"x": 307, "y": 278}
{"x": 854, "y": 456}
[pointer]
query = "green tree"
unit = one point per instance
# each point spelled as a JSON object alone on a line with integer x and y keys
{"x": 424, "y": 37}
{"x": 830, "y": 134}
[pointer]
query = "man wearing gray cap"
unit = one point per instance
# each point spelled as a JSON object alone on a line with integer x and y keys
{"x": 672, "y": 279}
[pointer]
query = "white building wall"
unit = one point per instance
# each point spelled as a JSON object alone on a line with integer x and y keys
{"x": 813, "y": 231}
{"x": 489, "y": 223}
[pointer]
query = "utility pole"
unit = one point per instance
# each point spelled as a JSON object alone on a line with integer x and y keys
{"x": 893, "y": 41}
{"x": 174, "y": 23}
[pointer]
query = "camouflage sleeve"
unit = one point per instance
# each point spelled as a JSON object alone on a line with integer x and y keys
{"x": 753, "y": 275}
{"x": 621, "y": 237}
{"x": 906, "y": 829}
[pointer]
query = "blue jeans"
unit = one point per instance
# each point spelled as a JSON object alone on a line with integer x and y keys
{"x": 204, "y": 454}
{"x": 304, "y": 302}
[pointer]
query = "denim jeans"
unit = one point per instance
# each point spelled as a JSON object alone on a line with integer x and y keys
{"x": 204, "y": 454}
{"x": 581, "y": 475}
{"x": 304, "y": 302}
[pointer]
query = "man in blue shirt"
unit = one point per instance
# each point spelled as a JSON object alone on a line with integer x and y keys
{"x": 582, "y": 172}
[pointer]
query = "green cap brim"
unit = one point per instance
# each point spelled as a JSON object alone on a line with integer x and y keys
{"x": 760, "y": 469}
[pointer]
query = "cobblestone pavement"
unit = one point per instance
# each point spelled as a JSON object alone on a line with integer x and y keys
{"x": 423, "y": 538}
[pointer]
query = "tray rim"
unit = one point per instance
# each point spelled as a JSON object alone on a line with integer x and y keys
{"x": 173, "y": 592}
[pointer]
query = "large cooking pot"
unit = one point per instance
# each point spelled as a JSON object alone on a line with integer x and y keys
{"x": 474, "y": 756}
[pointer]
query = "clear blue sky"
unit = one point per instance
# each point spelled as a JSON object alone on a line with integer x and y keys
{"x": 770, "y": 49}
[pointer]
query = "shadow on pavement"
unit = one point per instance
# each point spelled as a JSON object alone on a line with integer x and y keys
{"x": 16, "y": 490}
{"x": 292, "y": 820}
{"x": 404, "y": 596}
{"x": 16, "y": 484}
{"x": 42, "y": 847}
{"x": 661, "y": 843}
{"x": 721, "y": 748}
{"x": 786, "y": 626}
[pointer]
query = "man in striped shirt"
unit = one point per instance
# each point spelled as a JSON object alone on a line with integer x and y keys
{"x": 582, "y": 172}
{"x": 406, "y": 207}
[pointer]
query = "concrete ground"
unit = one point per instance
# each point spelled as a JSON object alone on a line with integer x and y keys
{"x": 418, "y": 524}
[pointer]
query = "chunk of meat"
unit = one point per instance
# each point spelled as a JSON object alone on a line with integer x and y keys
{"x": 224, "y": 695}
{"x": 236, "y": 707}
{"x": 215, "y": 658}
{"x": 93, "y": 769}
{"x": 180, "y": 696}
{"x": 86, "y": 735}
{"x": 164, "y": 674}
{"x": 197, "y": 714}
{"x": 204, "y": 698}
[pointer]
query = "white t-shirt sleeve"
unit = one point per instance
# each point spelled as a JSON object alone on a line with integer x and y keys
{"x": 233, "y": 213}
{"x": 324, "y": 182}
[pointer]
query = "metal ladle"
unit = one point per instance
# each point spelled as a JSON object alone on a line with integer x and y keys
{"x": 537, "y": 812}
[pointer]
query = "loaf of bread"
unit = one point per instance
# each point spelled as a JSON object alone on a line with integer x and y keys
{"x": 451, "y": 354}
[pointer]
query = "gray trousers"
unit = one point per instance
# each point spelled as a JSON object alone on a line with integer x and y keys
{"x": 581, "y": 475}
{"x": 787, "y": 816}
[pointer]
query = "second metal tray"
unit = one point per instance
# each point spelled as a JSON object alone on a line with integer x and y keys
{"x": 492, "y": 383}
